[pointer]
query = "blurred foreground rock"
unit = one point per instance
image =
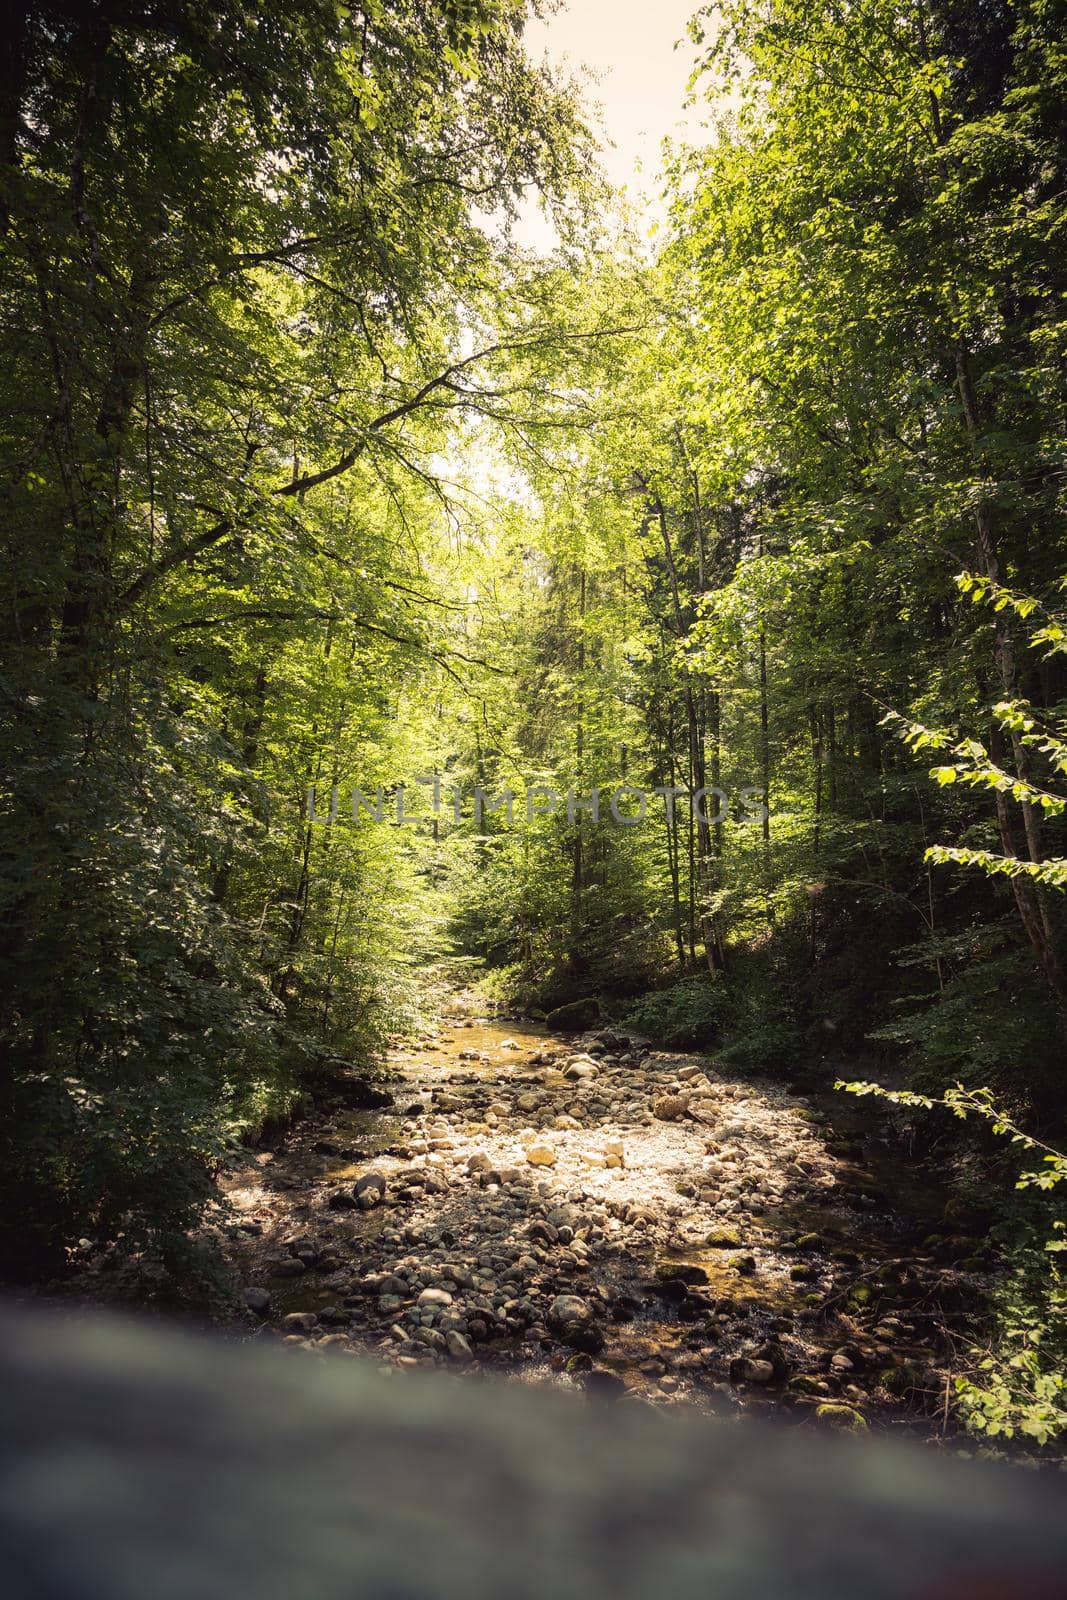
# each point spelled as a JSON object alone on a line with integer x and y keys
{"x": 139, "y": 1462}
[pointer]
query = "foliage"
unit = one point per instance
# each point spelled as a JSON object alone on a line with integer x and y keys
{"x": 256, "y": 276}
{"x": 1018, "y": 1388}
{"x": 1017, "y": 1385}
{"x": 688, "y": 1014}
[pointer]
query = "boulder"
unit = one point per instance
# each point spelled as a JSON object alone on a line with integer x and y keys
{"x": 723, "y": 1239}
{"x": 570, "y": 1318}
{"x": 360, "y": 1093}
{"x": 846, "y": 1418}
{"x": 370, "y": 1190}
{"x": 574, "y": 1017}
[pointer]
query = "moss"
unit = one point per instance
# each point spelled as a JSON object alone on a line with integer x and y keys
{"x": 801, "y": 1272}
{"x": 723, "y": 1239}
{"x": 574, "y": 1016}
{"x": 807, "y": 1383}
{"x": 898, "y": 1380}
{"x": 836, "y": 1415}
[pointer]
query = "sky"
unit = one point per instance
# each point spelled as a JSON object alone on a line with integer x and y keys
{"x": 641, "y": 81}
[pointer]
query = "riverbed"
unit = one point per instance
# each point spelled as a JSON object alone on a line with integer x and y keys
{"x": 642, "y": 1224}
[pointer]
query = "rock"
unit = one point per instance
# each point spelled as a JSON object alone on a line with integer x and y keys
{"x": 541, "y": 1155}
{"x": 435, "y": 1297}
{"x": 289, "y": 1268}
{"x": 342, "y": 1200}
{"x": 300, "y": 1322}
{"x": 807, "y": 1383}
{"x": 723, "y": 1239}
{"x": 528, "y": 1102}
{"x": 746, "y": 1369}
{"x": 431, "y": 1338}
{"x": 305, "y": 1250}
{"x": 669, "y": 1107}
{"x": 836, "y": 1415}
{"x": 370, "y": 1190}
{"x": 615, "y": 1153}
{"x": 571, "y": 1319}
{"x": 457, "y": 1347}
{"x": 681, "y": 1274}
{"x": 336, "y": 1316}
{"x": 573, "y": 1017}
{"x": 773, "y": 1352}
{"x": 257, "y": 1300}
{"x": 357, "y": 1092}
{"x": 602, "y": 1384}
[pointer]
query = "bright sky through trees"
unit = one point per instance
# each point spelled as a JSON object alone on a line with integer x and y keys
{"x": 636, "y": 77}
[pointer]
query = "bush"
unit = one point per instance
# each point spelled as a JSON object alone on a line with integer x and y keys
{"x": 1018, "y": 1387}
{"x": 689, "y": 1014}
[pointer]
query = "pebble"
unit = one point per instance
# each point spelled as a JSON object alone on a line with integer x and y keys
{"x": 434, "y": 1297}
{"x": 457, "y": 1346}
{"x": 541, "y": 1155}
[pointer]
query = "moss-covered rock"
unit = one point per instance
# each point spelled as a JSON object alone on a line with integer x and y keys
{"x": 723, "y": 1239}
{"x": 574, "y": 1016}
{"x": 807, "y": 1383}
{"x": 846, "y": 1418}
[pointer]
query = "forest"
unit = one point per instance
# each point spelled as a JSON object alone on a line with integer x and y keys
{"x": 560, "y": 718}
